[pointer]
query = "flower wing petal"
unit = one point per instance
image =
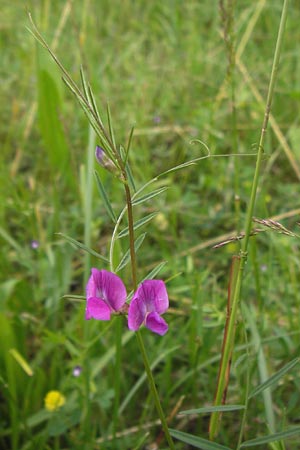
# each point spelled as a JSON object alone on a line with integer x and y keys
{"x": 136, "y": 313}
{"x": 156, "y": 323}
{"x": 97, "y": 309}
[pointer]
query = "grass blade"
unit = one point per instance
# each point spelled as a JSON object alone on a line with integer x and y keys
{"x": 128, "y": 145}
{"x": 152, "y": 194}
{"x": 82, "y": 246}
{"x": 105, "y": 199}
{"x": 84, "y": 84}
{"x": 155, "y": 271}
{"x": 49, "y": 109}
{"x": 196, "y": 441}
{"x": 126, "y": 258}
{"x": 209, "y": 409}
{"x": 271, "y": 438}
{"x": 274, "y": 378}
{"x": 138, "y": 224}
{"x": 110, "y": 127}
{"x": 21, "y": 361}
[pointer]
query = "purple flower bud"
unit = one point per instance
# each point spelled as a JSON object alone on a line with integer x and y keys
{"x": 34, "y": 244}
{"x": 104, "y": 160}
{"x": 156, "y": 119}
{"x": 77, "y": 371}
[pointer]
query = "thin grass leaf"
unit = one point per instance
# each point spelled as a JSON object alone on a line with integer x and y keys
{"x": 155, "y": 271}
{"x": 128, "y": 146}
{"x": 271, "y": 438}
{"x": 130, "y": 177}
{"x": 50, "y": 105}
{"x": 126, "y": 258}
{"x": 82, "y": 246}
{"x": 105, "y": 358}
{"x": 85, "y": 100}
{"x": 94, "y": 104}
{"x": 138, "y": 224}
{"x": 179, "y": 167}
{"x": 110, "y": 127}
{"x": 98, "y": 128}
{"x": 143, "y": 377}
{"x": 152, "y": 194}
{"x": 84, "y": 84}
{"x": 249, "y": 314}
{"x": 12, "y": 242}
{"x": 196, "y": 441}
{"x": 21, "y": 361}
{"x": 209, "y": 409}
{"x": 76, "y": 298}
{"x": 274, "y": 378}
{"x": 192, "y": 162}
{"x": 105, "y": 199}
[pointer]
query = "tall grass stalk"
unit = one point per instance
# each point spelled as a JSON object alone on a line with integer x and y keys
{"x": 230, "y": 329}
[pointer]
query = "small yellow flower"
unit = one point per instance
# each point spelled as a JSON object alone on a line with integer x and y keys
{"x": 54, "y": 400}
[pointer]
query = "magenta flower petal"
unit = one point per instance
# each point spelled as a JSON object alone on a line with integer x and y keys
{"x": 148, "y": 303}
{"x": 97, "y": 309}
{"x": 154, "y": 294}
{"x": 156, "y": 323}
{"x": 136, "y": 314}
{"x": 105, "y": 293}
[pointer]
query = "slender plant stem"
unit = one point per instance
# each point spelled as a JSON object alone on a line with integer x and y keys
{"x": 230, "y": 334}
{"x": 131, "y": 236}
{"x": 154, "y": 390}
{"x": 117, "y": 368}
{"x": 138, "y": 334}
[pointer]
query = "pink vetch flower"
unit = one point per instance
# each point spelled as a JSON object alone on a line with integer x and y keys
{"x": 105, "y": 294}
{"x": 148, "y": 303}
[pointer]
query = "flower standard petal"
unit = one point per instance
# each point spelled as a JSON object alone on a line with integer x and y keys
{"x": 156, "y": 323}
{"x": 105, "y": 293}
{"x": 148, "y": 303}
{"x": 136, "y": 313}
{"x": 154, "y": 294}
{"x": 97, "y": 309}
{"x": 113, "y": 290}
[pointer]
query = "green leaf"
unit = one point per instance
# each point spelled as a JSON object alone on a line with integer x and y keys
{"x": 155, "y": 271}
{"x": 209, "y": 409}
{"x": 138, "y": 224}
{"x": 274, "y": 378}
{"x": 105, "y": 199}
{"x": 126, "y": 258}
{"x": 21, "y": 361}
{"x": 110, "y": 127}
{"x": 92, "y": 118}
{"x": 271, "y": 438}
{"x": 94, "y": 105}
{"x": 84, "y": 84}
{"x": 152, "y": 194}
{"x": 196, "y": 441}
{"x": 130, "y": 177}
{"x": 82, "y": 246}
{"x": 49, "y": 110}
{"x": 128, "y": 145}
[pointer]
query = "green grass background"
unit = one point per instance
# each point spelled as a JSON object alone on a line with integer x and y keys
{"x": 162, "y": 66}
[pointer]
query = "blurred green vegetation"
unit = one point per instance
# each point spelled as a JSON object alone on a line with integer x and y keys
{"x": 163, "y": 66}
